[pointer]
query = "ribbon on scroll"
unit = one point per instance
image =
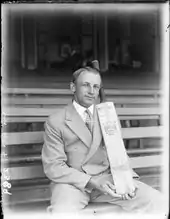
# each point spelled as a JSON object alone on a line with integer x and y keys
{"x": 118, "y": 159}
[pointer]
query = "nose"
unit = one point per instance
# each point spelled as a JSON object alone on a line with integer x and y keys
{"x": 91, "y": 90}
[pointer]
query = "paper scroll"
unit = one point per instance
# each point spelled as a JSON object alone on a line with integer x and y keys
{"x": 119, "y": 165}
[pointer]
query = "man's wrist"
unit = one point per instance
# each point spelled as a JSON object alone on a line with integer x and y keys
{"x": 89, "y": 186}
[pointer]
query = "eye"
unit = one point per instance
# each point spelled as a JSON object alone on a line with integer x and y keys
{"x": 85, "y": 85}
{"x": 96, "y": 87}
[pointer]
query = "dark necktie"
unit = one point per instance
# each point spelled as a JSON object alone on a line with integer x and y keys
{"x": 89, "y": 121}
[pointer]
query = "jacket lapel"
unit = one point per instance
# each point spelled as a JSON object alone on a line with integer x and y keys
{"x": 76, "y": 124}
{"x": 97, "y": 137}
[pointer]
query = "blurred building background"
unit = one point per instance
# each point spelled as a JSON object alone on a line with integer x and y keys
{"x": 54, "y": 42}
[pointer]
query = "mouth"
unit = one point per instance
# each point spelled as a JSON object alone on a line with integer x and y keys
{"x": 91, "y": 98}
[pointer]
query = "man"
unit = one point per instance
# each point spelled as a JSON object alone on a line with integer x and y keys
{"x": 75, "y": 158}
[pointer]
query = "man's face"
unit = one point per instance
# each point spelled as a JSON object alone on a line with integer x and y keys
{"x": 86, "y": 88}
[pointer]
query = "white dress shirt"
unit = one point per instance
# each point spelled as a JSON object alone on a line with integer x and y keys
{"x": 81, "y": 110}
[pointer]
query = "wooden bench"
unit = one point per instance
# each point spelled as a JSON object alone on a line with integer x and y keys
{"x": 57, "y": 98}
{"x": 37, "y": 97}
{"x": 29, "y": 184}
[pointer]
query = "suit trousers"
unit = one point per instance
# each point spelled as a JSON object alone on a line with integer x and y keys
{"x": 67, "y": 198}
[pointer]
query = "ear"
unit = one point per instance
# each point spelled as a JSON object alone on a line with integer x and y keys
{"x": 72, "y": 87}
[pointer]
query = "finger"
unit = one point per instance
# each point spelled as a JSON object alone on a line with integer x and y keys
{"x": 133, "y": 194}
{"x": 111, "y": 192}
{"x": 111, "y": 186}
{"x": 107, "y": 189}
{"x": 127, "y": 197}
{"x": 115, "y": 195}
{"x": 124, "y": 197}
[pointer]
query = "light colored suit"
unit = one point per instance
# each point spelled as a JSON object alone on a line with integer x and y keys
{"x": 71, "y": 155}
{"x": 68, "y": 139}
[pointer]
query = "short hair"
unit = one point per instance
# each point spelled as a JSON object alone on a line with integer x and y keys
{"x": 78, "y": 72}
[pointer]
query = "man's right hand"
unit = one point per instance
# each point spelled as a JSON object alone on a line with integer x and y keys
{"x": 106, "y": 187}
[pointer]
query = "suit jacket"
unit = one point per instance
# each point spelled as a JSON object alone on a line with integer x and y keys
{"x": 70, "y": 153}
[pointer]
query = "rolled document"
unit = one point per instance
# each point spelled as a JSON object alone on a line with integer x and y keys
{"x": 118, "y": 159}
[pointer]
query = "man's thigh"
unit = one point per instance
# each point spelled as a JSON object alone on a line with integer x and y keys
{"x": 146, "y": 200}
{"x": 65, "y": 198}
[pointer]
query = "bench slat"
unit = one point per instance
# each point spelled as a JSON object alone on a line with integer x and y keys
{"x": 14, "y": 111}
{"x": 67, "y": 91}
{"x": 64, "y": 100}
{"x": 142, "y": 132}
{"x": 42, "y": 192}
{"x": 14, "y": 138}
{"x": 146, "y": 161}
{"x": 37, "y": 158}
{"x": 29, "y": 119}
{"x": 36, "y": 171}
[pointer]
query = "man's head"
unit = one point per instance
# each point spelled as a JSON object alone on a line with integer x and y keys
{"x": 85, "y": 85}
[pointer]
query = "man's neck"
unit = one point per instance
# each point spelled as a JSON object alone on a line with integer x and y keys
{"x": 77, "y": 105}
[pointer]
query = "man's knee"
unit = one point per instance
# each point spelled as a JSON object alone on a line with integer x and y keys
{"x": 150, "y": 198}
{"x": 65, "y": 198}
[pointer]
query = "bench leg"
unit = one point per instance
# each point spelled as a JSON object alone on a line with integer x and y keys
{"x": 140, "y": 141}
{"x": 127, "y": 125}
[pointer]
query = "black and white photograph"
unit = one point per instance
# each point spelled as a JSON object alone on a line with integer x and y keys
{"x": 85, "y": 110}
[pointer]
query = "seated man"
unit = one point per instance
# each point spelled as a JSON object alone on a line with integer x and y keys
{"x": 75, "y": 159}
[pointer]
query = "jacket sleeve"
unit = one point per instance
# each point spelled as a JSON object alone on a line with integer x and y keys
{"x": 54, "y": 160}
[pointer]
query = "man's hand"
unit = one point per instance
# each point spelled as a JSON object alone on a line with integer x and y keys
{"x": 133, "y": 194}
{"x": 108, "y": 188}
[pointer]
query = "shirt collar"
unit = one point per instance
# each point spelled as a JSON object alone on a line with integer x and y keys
{"x": 81, "y": 109}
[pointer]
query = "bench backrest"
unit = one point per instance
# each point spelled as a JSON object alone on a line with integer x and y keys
{"x": 22, "y": 114}
{"x": 60, "y": 97}
{"x": 36, "y": 137}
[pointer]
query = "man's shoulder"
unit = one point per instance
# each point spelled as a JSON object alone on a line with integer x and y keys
{"x": 59, "y": 113}
{"x": 59, "y": 116}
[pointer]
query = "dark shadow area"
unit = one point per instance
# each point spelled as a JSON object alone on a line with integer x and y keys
{"x": 43, "y": 51}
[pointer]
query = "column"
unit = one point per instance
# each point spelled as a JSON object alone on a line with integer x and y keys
{"x": 28, "y": 43}
{"x": 102, "y": 42}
